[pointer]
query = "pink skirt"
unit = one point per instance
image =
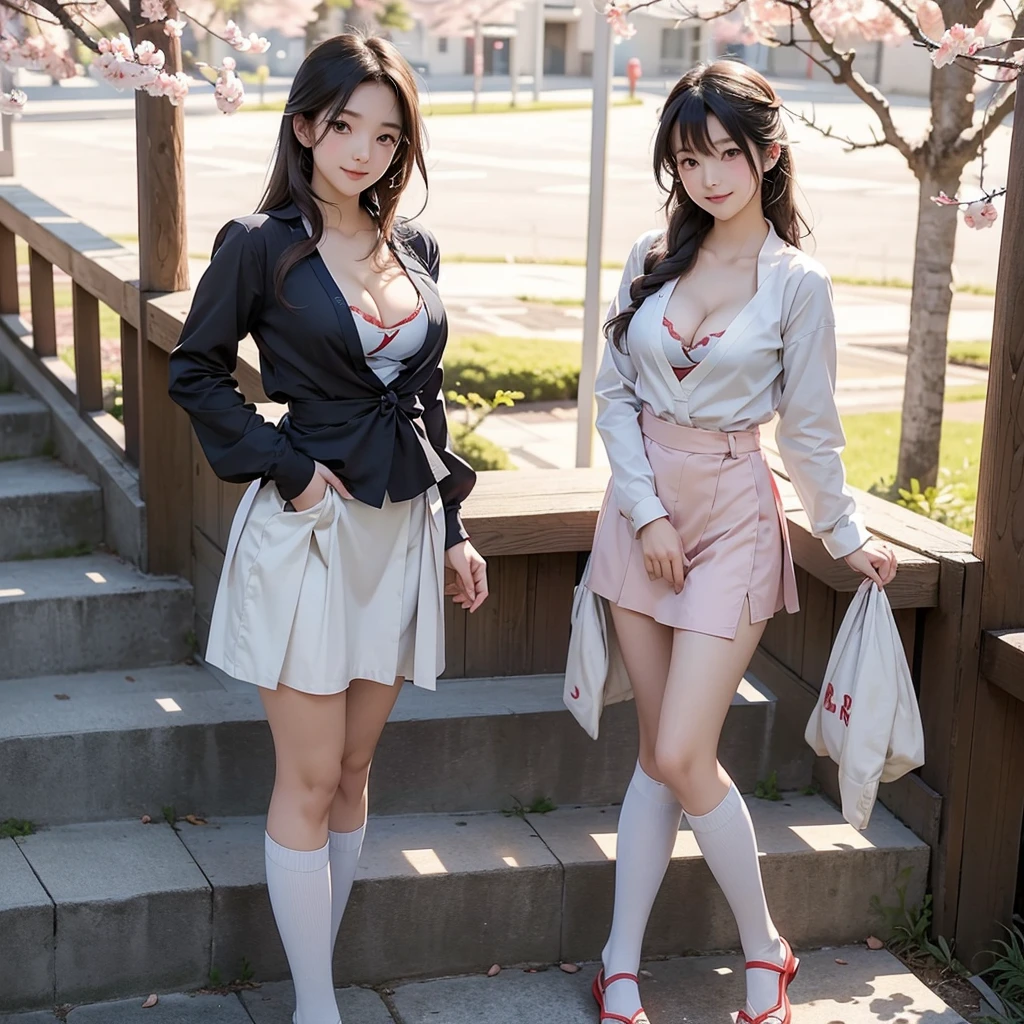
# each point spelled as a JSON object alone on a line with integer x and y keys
{"x": 722, "y": 499}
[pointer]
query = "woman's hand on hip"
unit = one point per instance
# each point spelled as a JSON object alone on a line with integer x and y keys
{"x": 317, "y": 488}
{"x": 469, "y": 585}
{"x": 874, "y": 560}
{"x": 663, "y": 552}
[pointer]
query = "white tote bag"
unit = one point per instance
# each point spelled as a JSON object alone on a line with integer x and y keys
{"x": 594, "y": 673}
{"x": 866, "y": 718}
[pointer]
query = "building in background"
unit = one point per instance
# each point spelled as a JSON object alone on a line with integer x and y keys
{"x": 665, "y": 45}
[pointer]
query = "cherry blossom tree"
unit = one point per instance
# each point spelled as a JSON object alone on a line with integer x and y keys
{"x": 34, "y": 34}
{"x": 957, "y": 34}
{"x": 463, "y": 18}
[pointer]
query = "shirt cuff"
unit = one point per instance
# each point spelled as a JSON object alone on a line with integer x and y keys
{"x": 645, "y": 511}
{"x": 293, "y": 474}
{"x": 848, "y": 535}
{"x": 454, "y": 531}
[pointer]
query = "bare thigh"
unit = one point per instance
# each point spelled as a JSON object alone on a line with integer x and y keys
{"x": 309, "y": 742}
{"x": 646, "y": 648}
{"x": 703, "y": 676}
{"x": 369, "y": 707}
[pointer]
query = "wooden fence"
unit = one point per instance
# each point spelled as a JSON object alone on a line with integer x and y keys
{"x": 535, "y": 528}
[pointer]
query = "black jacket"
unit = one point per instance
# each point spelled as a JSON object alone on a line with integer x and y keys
{"x": 372, "y": 435}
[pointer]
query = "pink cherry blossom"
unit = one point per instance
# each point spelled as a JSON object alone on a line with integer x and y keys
{"x": 154, "y": 10}
{"x": 12, "y": 102}
{"x": 229, "y": 91}
{"x": 119, "y": 46}
{"x": 146, "y": 53}
{"x": 174, "y": 28}
{"x": 230, "y": 63}
{"x": 980, "y": 214}
{"x": 957, "y": 41}
{"x": 37, "y": 53}
{"x": 173, "y": 87}
{"x": 616, "y": 17}
{"x": 929, "y": 19}
{"x": 943, "y": 200}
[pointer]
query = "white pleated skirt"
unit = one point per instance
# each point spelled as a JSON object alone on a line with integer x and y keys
{"x": 337, "y": 592}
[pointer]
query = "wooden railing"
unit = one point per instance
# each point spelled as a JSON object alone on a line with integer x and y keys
{"x": 535, "y": 529}
{"x": 97, "y": 270}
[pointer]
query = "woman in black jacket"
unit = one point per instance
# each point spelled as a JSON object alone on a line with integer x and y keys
{"x": 332, "y": 589}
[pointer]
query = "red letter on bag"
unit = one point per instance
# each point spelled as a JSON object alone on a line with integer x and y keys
{"x": 844, "y": 715}
{"x": 830, "y": 692}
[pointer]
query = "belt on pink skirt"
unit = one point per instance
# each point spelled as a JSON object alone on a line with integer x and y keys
{"x": 696, "y": 440}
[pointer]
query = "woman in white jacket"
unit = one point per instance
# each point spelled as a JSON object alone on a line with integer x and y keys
{"x": 720, "y": 322}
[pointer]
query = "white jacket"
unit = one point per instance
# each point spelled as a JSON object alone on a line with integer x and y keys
{"x": 778, "y": 354}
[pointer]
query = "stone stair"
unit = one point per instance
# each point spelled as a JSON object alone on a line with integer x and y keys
{"x": 105, "y": 716}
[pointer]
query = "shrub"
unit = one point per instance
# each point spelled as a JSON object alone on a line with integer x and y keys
{"x": 541, "y": 370}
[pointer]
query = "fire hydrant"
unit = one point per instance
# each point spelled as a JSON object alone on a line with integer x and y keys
{"x": 633, "y": 73}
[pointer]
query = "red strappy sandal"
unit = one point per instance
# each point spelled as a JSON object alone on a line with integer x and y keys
{"x": 781, "y": 1012}
{"x": 598, "y": 990}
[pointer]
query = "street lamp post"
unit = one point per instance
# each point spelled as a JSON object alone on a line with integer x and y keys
{"x": 538, "y": 51}
{"x": 595, "y": 231}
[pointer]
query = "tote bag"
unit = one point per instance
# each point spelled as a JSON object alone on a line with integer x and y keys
{"x": 866, "y": 718}
{"x": 595, "y": 675}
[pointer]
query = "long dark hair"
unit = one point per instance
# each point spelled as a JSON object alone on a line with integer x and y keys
{"x": 750, "y": 111}
{"x": 324, "y": 83}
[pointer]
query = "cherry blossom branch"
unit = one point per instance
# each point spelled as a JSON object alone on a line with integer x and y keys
{"x": 58, "y": 11}
{"x": 907, "y": 19}
{"x": 828, "y": 133}
{"x": 123, "y": 13}
{"x": 868, "y": 94}
{"x": 968, "y": 145}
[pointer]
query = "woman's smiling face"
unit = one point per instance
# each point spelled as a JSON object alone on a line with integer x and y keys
{"x": 720, "y": 181}
{"x": 359, "y": 144}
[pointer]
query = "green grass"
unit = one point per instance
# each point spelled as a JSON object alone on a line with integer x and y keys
{"x": 540, "y": 300}
{"x": 872, "y": 447}
{"x": 110, "y": 322}
{"x": 966, "y": 393}
{"x": 540, "y": 261}
{"x": 898, "y": 282}
{"x": 11, "y": 827}
{"x": 542, "y": 370}
{"x": 969, "y": 353}
{"x": 484, "y": 107}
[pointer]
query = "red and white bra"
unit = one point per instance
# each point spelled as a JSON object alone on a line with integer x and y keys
{"x": 387, "y": 349}
{"x": 684, "y": 357}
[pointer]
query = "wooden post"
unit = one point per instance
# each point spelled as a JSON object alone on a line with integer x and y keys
{"x": 9, "y": 298}
{"x": 995, "y": 798}
{"x": 88, "y": 373}
{"x": 44, "y": 321}
{"x": 164, "y": 431}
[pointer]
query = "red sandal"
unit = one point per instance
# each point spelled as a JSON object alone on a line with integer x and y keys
{"x": 781, "y": 1012}
{"x": 598, "y": 989}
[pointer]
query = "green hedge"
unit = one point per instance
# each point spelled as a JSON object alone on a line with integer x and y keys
{"x": 542, "y": 370}
{"x": 480, "y": 453}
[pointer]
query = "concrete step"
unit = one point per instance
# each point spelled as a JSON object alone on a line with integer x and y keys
{"x": 47, "y": 510}
{"x": 83, "y": 614}
{"x": 113, "y": 909}
{"x": 198, "y": 741}
{"x": 851, "y": 984}
{"x": 24, "y": 427}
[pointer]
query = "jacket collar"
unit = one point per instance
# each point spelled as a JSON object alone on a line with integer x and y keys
{"x": 288, "y": 212}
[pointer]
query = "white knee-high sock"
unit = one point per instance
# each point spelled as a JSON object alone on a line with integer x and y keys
{"x": 648, "y": 824}
{"x": 344, "y": 851}
{"x": 299, "y": 883}
{"x": 726, "y": 838}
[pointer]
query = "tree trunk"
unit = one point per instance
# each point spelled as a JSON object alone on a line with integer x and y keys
{"x": 952, "y": 114}
{"x": 930, "y": 303}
